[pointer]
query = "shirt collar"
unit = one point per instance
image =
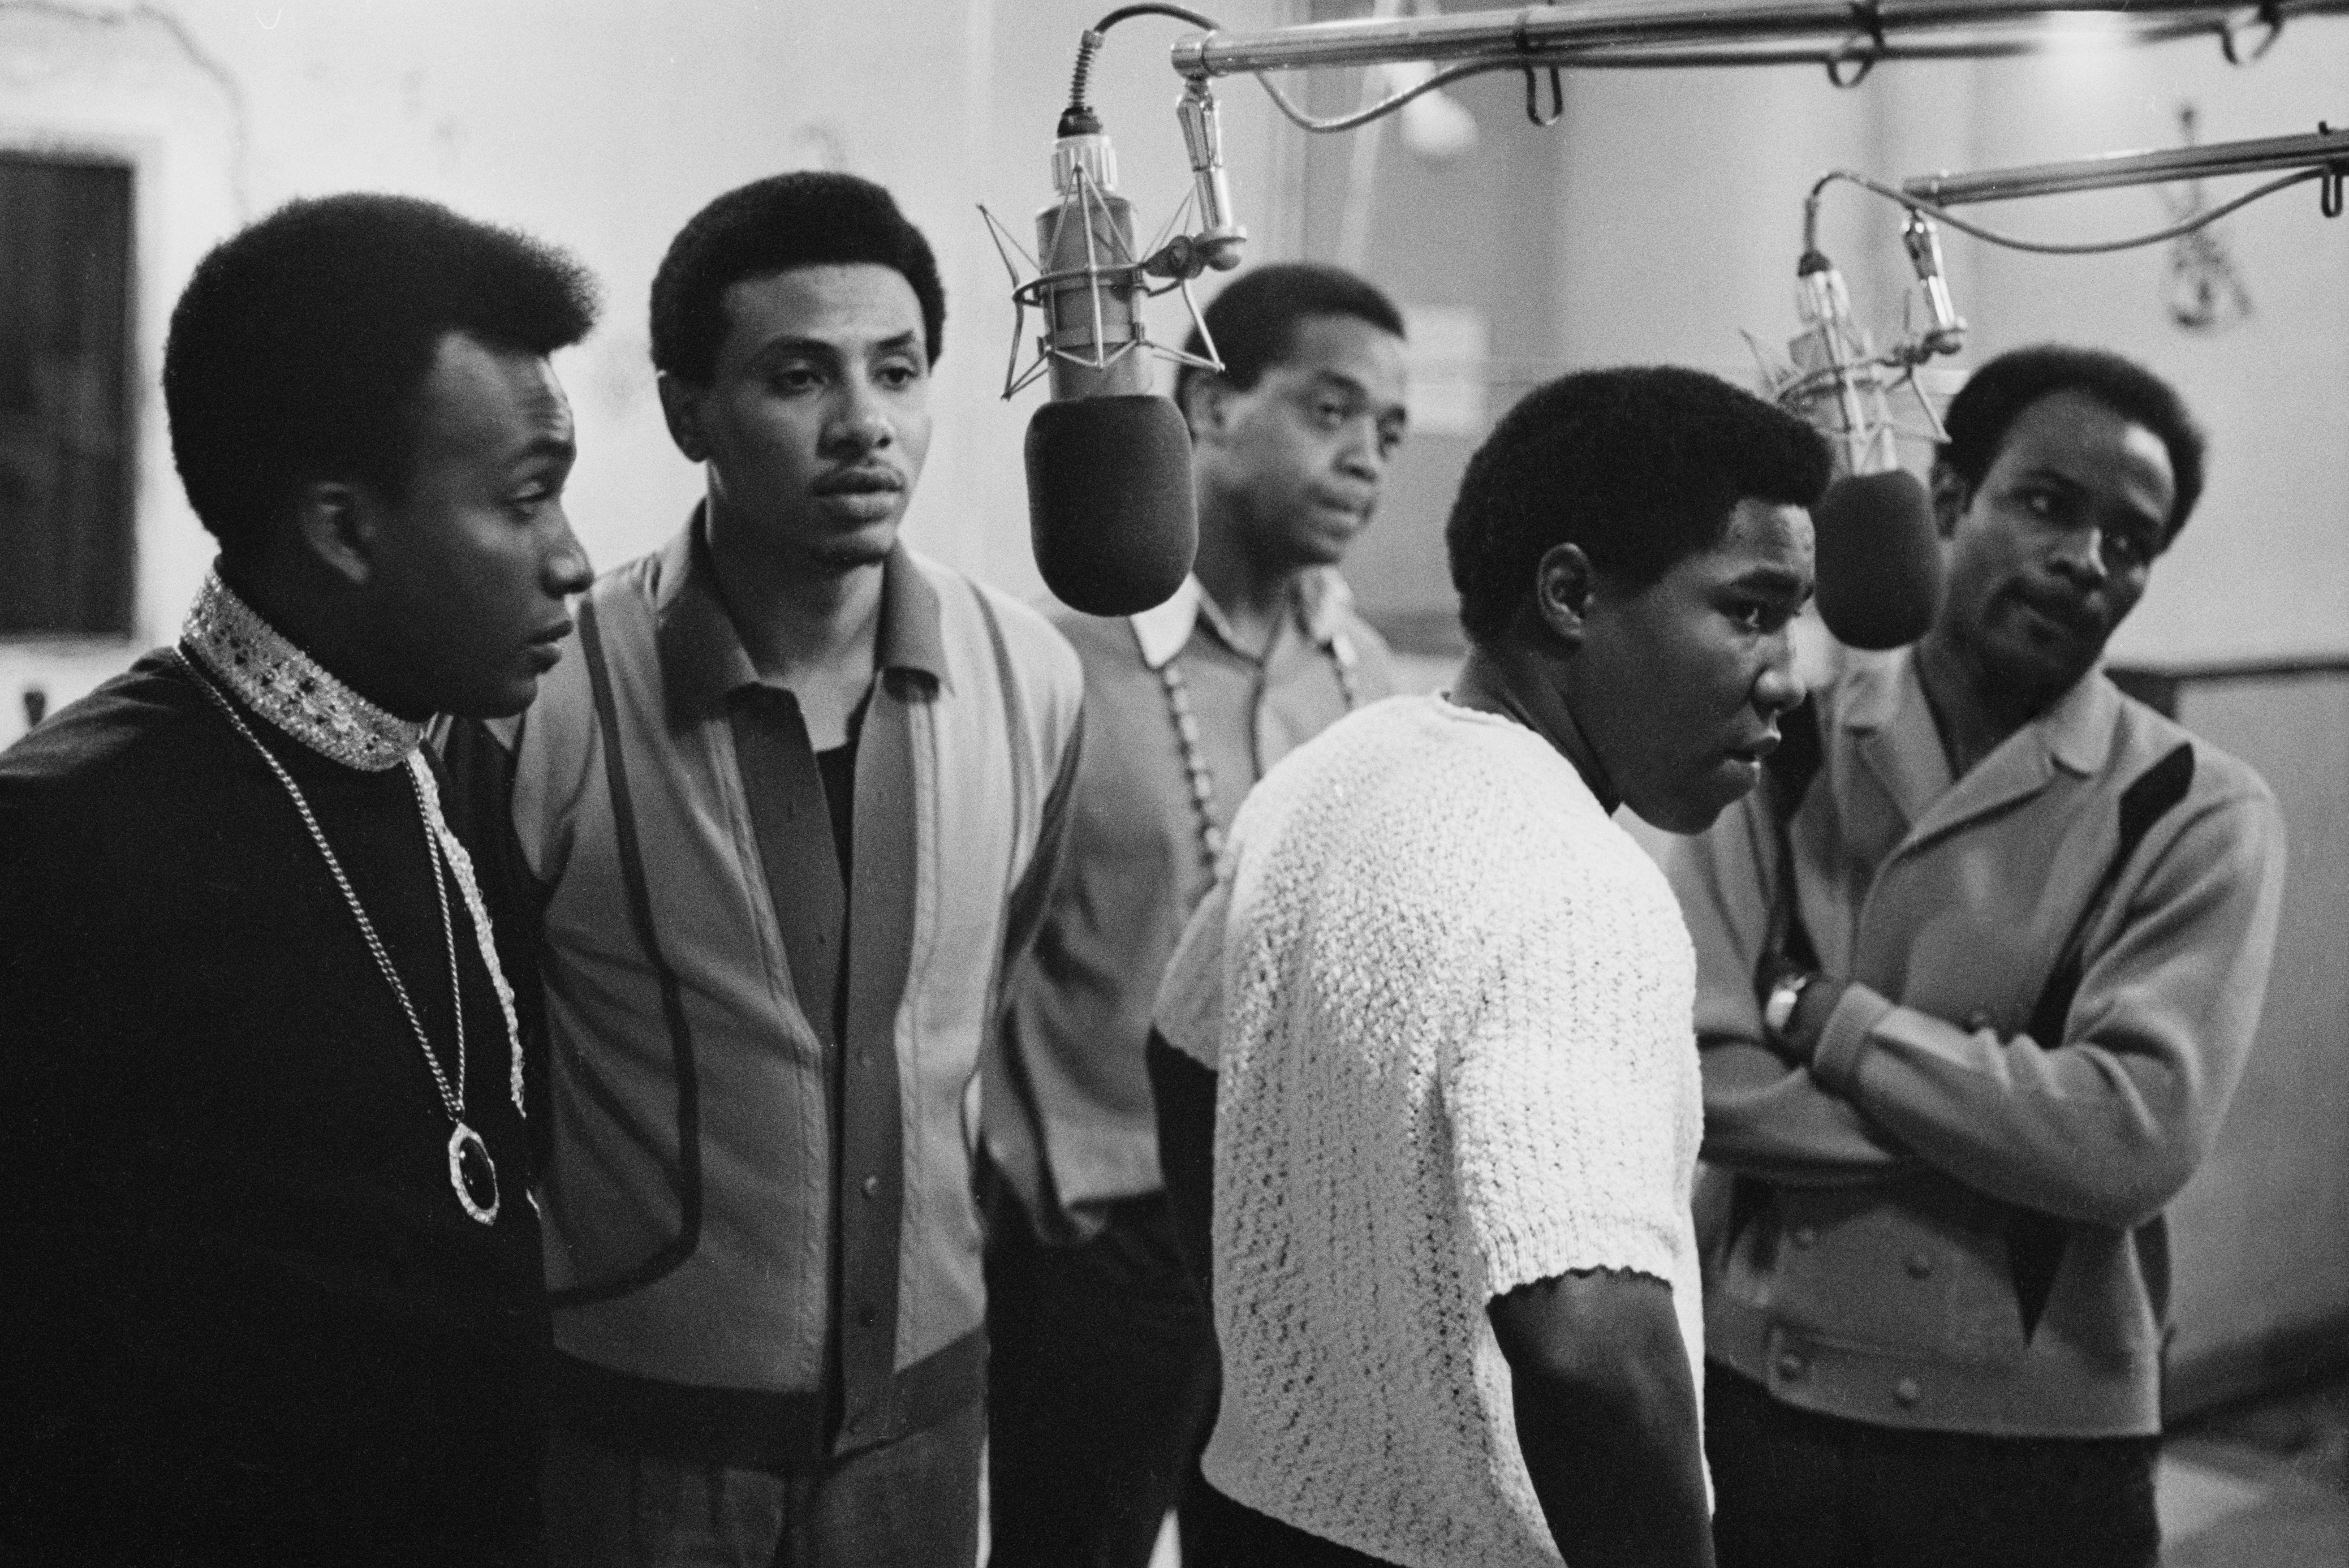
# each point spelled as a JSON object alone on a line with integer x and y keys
{"x": 702, "y": 657}
{"x": 286, "y": 686}
{"x": 2077, "y": 731}
{"x": 1876, "y": 686}
{"x": 1322, "y": 602}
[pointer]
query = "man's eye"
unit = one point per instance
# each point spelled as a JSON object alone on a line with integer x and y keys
{"x": 2127, "y": 551}
{"x": 1764, "y": 618}
{"x": 793, "y": 378}
{"x": 1329, "y": 416}
{"x": 897, "y": 376}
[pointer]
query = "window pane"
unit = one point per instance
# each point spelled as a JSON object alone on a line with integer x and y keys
{"x": 65, "y": 528}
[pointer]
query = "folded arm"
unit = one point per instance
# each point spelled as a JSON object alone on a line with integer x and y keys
{"x": 1765, "y": 1116}
{"x": 2106, "y": 1125}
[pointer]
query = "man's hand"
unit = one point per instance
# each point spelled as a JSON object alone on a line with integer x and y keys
{"x": 1607, "y": 1418}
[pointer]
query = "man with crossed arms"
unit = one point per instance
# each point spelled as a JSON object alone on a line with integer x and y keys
{"x": 1979, "y": 968}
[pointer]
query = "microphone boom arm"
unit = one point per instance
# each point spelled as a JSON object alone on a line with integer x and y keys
{"x": 2324, "y": 154}
{"x": 1660, "y": 33}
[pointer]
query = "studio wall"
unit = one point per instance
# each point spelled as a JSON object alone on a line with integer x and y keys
{"x": 601, "y": 125}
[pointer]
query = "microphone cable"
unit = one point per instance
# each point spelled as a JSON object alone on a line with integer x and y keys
{"x": 1089, "y": 42}
{"x": 2039, "y": 247}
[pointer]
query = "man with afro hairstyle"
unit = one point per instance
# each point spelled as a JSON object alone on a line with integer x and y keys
{"x": 272, "y": 1280}
{"x": 791, "y": 813}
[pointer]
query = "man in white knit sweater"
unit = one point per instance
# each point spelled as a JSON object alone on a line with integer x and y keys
{"x": 1446, "y": 1003}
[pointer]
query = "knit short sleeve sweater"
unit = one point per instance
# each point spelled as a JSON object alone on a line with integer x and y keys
{"x": 1452, "y": 1002}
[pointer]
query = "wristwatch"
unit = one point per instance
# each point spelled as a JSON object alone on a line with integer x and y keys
{"x": 1778, "y": 1010}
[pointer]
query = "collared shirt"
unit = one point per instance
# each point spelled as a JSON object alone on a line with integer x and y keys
{"x": 793, "y": 816}
{"x": 764, "y": 1084}
{"x": 1077, "y": 1129}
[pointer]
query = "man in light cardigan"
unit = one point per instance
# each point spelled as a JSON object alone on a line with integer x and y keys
{"x": 1979, "y": 969}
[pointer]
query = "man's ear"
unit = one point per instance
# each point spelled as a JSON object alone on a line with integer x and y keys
{"x": 681, "y": 406}
{"x": 1952, "y": 496}
{"x": 1206, "y": 400}
{"x": 1565, "y": 583}
{"x": 339, "y": 524}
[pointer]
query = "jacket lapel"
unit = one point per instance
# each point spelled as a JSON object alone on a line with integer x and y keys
{"x": 1893, "y": 733}
{"x": 1906, "y": 755}
{"x": 2017, "y": 770}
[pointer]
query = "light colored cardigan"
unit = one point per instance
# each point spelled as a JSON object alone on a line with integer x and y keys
{"x": 692, "y": 1192}
{"x": 1943, "y": 1223}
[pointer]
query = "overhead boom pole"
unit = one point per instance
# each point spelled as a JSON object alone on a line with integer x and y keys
{"x": 1664, "y": 32}
{"x": 2325, "y": 150}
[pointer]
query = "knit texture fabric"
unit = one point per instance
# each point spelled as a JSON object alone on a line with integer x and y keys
{"x": 1452, "y": 1002}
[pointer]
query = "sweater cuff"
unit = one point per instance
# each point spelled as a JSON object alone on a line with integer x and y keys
{"x": 1842, "y": 1042}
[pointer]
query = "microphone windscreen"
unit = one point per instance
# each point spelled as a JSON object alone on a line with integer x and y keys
{"x": 1879, "y": 560}
{"x": 1110, "y": 509}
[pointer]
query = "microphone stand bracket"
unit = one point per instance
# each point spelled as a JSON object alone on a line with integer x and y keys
{"x": 1177, "y": 259}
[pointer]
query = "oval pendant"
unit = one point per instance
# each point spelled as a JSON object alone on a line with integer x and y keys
{"x": 473, "y": 1175}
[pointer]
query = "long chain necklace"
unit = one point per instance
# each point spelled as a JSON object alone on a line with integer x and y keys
{"x": 473, "y": 1175}
{"x": 1195, "y": 758}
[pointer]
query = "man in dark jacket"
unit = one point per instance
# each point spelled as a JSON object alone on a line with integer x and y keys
{"x": 273, "y": 1284}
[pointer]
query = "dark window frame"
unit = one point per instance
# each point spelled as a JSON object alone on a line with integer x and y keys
{"x": 68, "y": 396}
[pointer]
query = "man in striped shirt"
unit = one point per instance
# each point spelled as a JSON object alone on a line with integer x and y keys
{"x": 1102, "y": 1377}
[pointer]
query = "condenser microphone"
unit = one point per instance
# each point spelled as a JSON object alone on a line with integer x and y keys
{"x": 1879, "y": 560}
{"x": 1110, "y": 506}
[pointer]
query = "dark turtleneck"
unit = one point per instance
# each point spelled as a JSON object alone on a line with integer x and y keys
{"x": 248, "y": 1318}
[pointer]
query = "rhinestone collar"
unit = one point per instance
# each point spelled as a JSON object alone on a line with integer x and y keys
{"x": 288, "y": 687}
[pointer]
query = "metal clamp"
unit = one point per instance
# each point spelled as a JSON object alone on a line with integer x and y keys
{"x": 2270, "y": 17}
{"x": 1867, "y": 17}
{"x": 1532, "y": 100}
{"x": 1524, "y": 44}
{"x": 2328, "y": 179}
